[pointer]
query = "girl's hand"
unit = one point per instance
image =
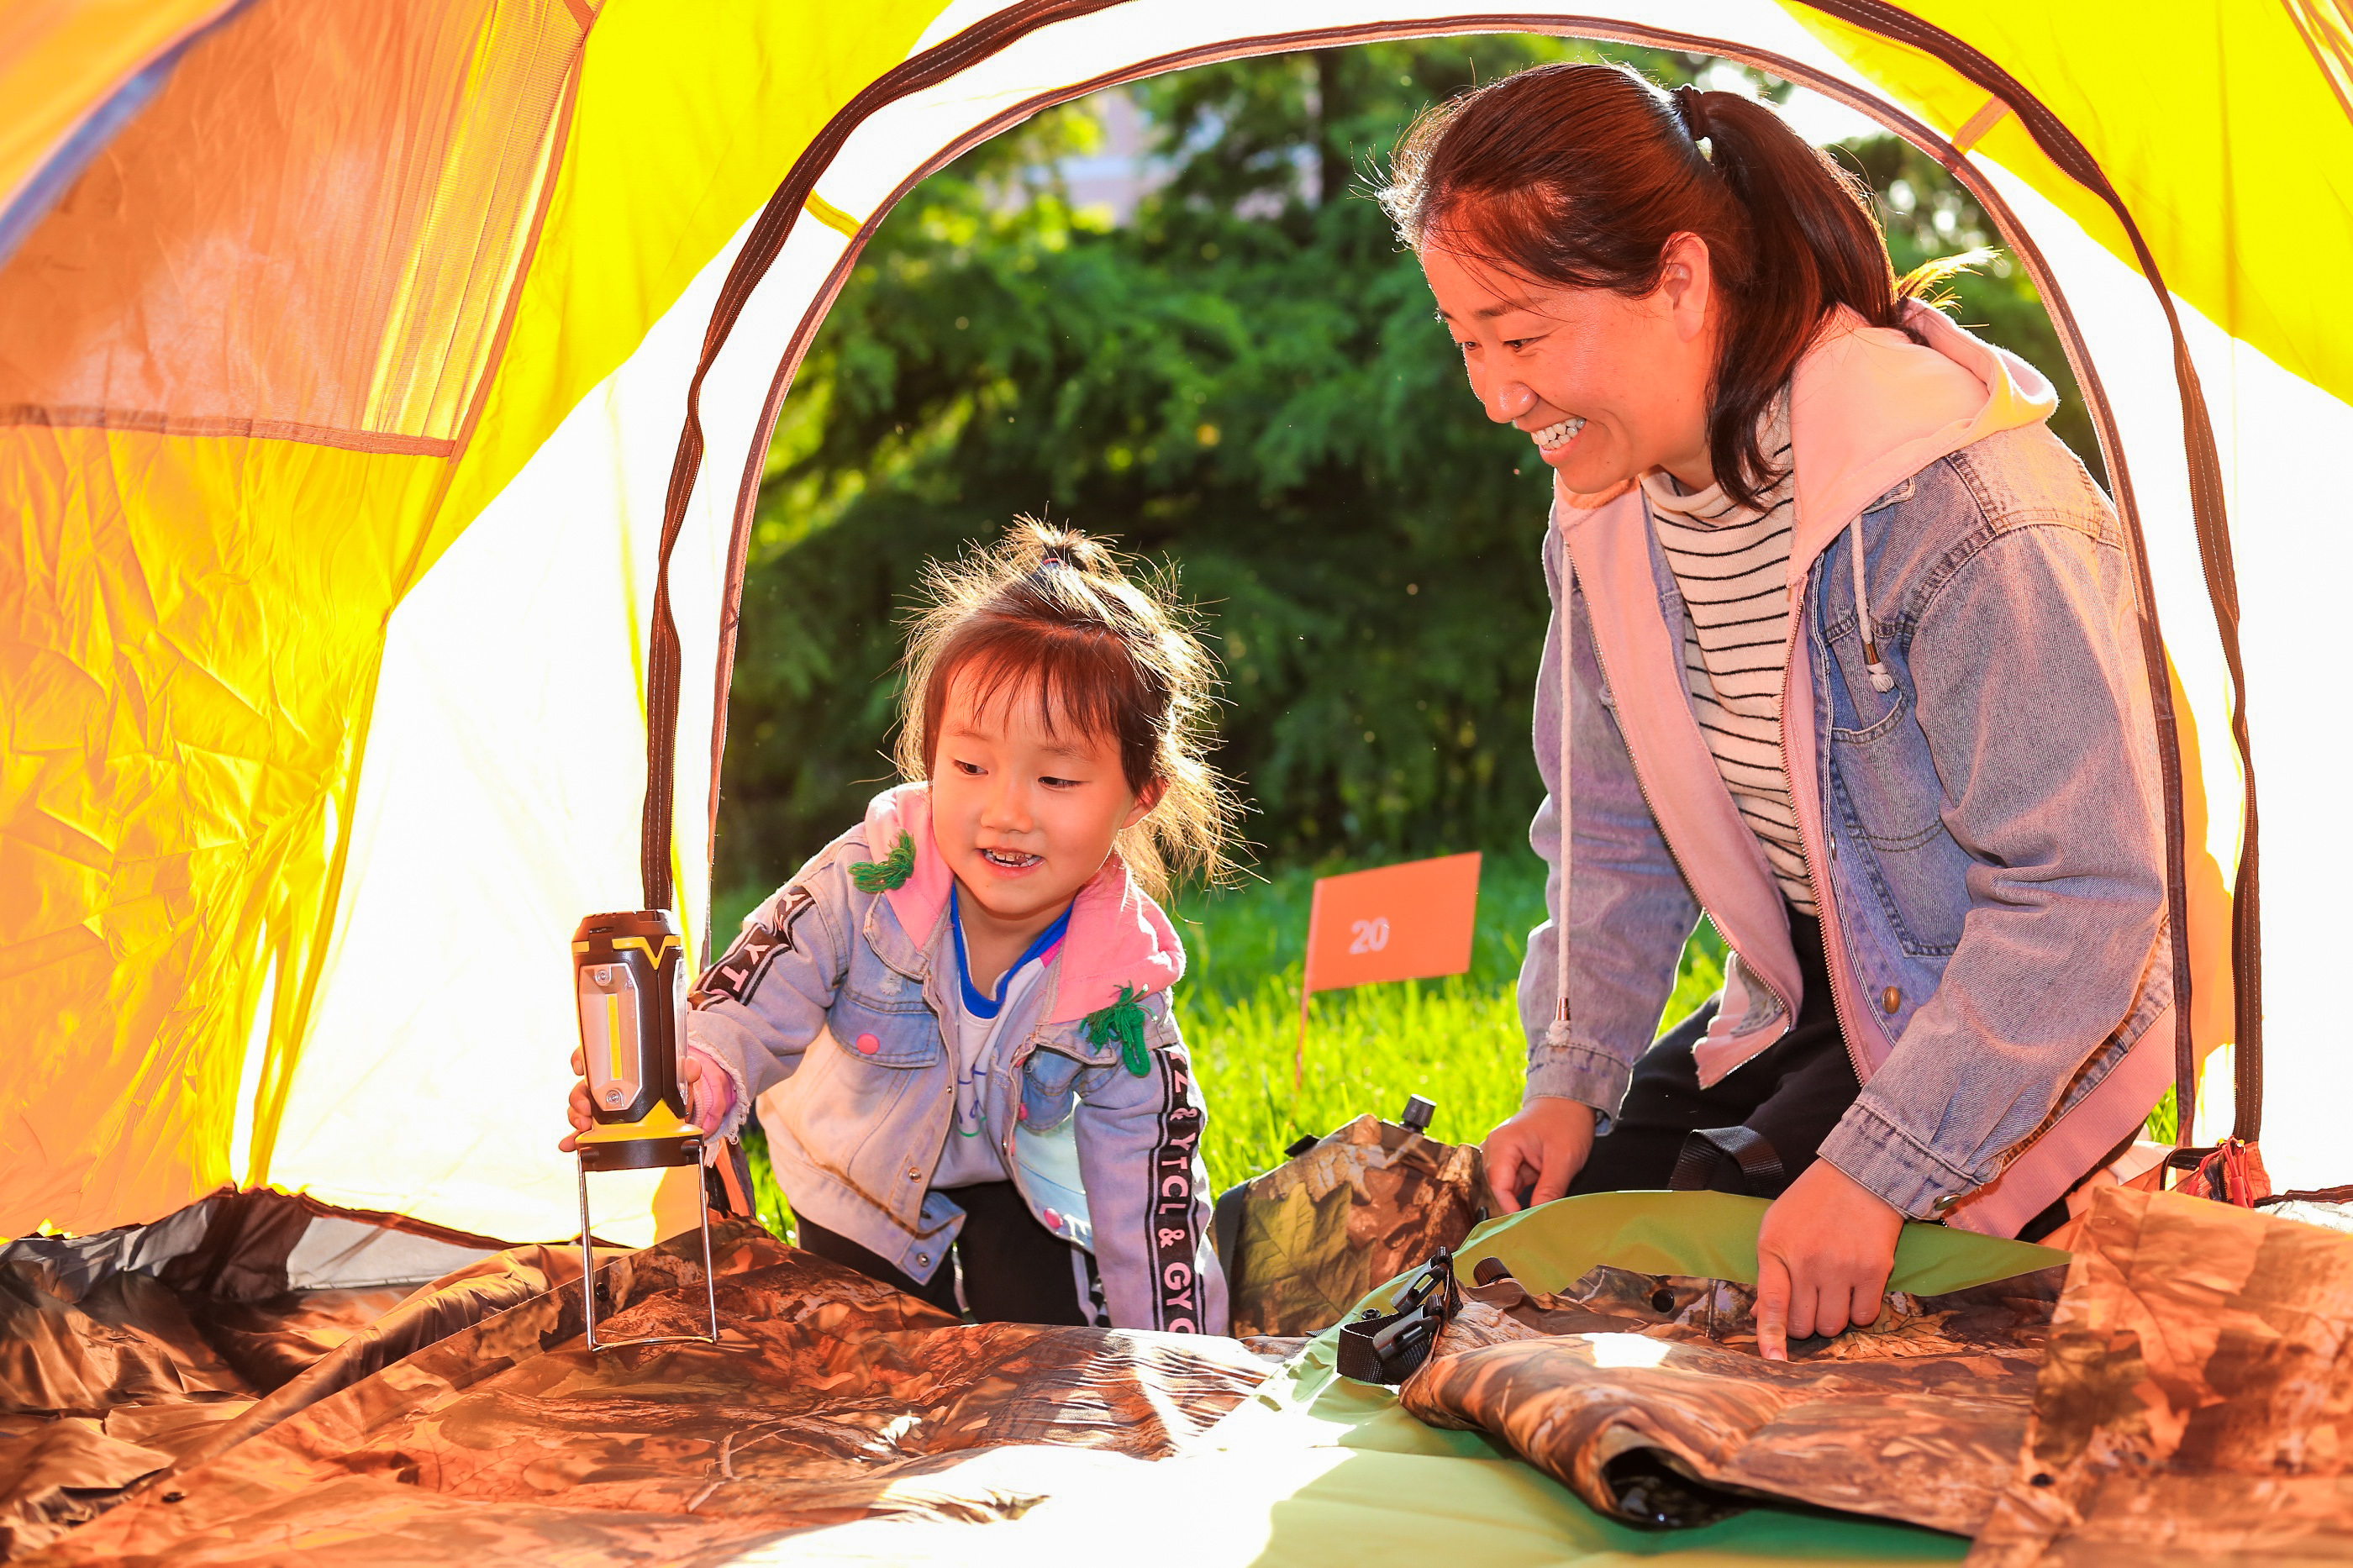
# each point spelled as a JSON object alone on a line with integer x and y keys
{"x": 1823, "y": 1256}
{"x": 1546, "y": 1142}
{"x": 577, "y": 1105}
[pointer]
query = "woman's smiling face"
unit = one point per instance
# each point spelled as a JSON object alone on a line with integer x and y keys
{"x": 1607, "y": 385}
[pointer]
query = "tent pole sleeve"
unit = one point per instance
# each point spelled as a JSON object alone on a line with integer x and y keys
{"x": 766, "y": 243}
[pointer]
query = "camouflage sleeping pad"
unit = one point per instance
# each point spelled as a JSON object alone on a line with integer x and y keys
{"x": 1645, "y": 1395}
{"x": 2197, "y": 1407}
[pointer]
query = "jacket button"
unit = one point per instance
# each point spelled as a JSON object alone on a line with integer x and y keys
{"x": 1946, "y": 1204}
{"x": 1889, "y": 1000}
{"x": 922, "y": 1260}
{"x": 914, "y": 1176}
{"x": 868, "y": 1045}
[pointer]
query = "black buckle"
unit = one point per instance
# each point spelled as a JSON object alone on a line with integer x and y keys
{"x": 1389, "y": 1347}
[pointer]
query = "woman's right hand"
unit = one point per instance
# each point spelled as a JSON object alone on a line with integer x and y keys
{"x": 1545, "y": 1143}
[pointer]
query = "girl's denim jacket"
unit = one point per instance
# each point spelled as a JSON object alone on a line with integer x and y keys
{"x": 1986, "y": 838}
{"x": 843, "y": 996}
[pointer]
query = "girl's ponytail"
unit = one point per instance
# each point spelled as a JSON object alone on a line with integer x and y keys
{"x": 1578, "y": 176}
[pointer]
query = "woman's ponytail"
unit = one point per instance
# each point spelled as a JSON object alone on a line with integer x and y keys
{"x": 1815, "y": 244}
{"x": 1579, "y": 176}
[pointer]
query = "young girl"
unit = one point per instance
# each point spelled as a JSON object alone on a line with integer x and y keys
{"x": 1845, "y": 650}
{"x": 962, "y": 1002}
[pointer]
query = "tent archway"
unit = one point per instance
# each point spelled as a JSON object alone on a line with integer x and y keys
{"x": 2195, "y": 874}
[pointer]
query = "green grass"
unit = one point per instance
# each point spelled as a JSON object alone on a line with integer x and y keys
{"x": 1456, "y": 1041}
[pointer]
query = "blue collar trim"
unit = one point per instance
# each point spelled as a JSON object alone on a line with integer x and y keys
{"x": 975, "y": 1002}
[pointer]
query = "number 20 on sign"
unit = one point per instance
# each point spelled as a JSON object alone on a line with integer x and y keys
{"x": 1400, "y": 922}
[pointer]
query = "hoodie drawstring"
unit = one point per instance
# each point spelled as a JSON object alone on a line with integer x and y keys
{"x": 1557, "y": 1035}
{"x": 1881, "y": 681}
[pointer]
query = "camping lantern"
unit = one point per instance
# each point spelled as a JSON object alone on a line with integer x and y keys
{"x": 629, "y": 974}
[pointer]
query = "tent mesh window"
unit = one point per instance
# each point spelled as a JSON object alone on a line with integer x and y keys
{"x": 366, "y": 227}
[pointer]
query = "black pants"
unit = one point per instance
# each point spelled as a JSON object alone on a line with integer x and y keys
{"x": 1763, "y": 1122}
{"x": 1015, "y": 1269}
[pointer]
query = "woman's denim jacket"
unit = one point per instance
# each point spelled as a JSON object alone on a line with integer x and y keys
{"x": 1985, "y": 839}
{"x": 837, "y": 997}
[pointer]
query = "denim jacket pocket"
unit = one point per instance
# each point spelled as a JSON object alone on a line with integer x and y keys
{"x": 885, "y": 1032}
{"x": 1048, "y": 1090}
{"x": 1884, "y": 794}
{"x": 1918, "y": 876}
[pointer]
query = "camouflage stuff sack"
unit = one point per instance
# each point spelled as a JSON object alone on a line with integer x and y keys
{"x": 1302, "y": 1243}
{"x": 2196, "y": 1406}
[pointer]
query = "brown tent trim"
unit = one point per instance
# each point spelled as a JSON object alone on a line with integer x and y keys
{"x": 767, "y": 241}
{"x": 802, "y": 179}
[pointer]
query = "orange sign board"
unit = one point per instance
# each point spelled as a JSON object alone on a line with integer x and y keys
{"x": 1400, "y": 922}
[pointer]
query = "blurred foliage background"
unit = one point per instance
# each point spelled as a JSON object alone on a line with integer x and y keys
{"x": 1242, "y": 377}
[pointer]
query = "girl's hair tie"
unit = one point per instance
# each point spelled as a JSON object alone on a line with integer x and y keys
{"x": 1695, "y": 113}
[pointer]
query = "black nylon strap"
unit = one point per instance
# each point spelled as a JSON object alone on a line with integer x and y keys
{"x": 1389, "y": 1347}
{"x": 1707, "y": 1147}
{"x": 1226, "y": 1232}
{"x": 2206, "y": 508}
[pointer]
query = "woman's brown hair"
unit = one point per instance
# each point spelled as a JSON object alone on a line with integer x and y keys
{"x": 1053, "y": 611}
{"x": 1577, "y": 176}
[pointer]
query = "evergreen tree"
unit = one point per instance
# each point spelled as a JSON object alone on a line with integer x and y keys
{"x": 1246, "y": 380}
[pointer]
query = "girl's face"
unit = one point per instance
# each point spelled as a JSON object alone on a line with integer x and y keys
{"x": 1025, "y": 814}
{"x": 1608, "y": 388}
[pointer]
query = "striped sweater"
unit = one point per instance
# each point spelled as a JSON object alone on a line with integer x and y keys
{"x": 1732, "y": 566}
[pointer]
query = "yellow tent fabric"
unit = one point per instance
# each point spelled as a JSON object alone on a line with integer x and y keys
{"x": 338, "y": 461}
{"x": 2226, "y": 130}
{"x": 197, "y": 630}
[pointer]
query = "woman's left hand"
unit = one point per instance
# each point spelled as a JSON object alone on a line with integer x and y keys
{"x": 1823, "y": 1256}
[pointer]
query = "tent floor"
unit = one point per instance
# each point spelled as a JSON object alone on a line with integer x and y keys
{"x": 166, "y": 1397}
{"x": 830, "y": 1398}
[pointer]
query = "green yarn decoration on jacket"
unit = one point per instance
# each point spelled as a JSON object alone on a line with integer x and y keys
{"x": 889, "y": 873}
{"x": 1124, "y": 1019}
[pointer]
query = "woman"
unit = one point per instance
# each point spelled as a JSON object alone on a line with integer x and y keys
{"x": 1844, "y": 652}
